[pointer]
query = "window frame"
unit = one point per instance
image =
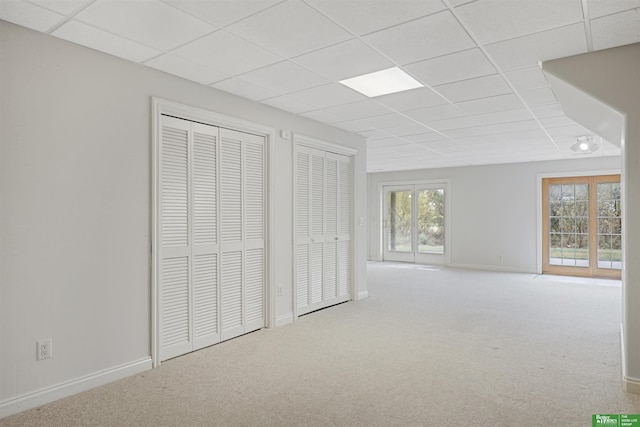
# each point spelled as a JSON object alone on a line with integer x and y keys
{"x": 592, "y": 270}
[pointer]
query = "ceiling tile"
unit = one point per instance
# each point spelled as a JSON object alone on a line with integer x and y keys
{"x": 221, "y": 12}
{"x": 372, "y": 123}
{"x": 527, "y": 78}
{"x": 409, "y": 148}
{"x": 550, "y": 122}
{"x": 245, "y": 89}
{"x": 439, "y": 112}
{"x": 28, "y": 15}
{"x": 598, "y": 8}
{"x": 574, "y": 130}
{"x": 344, "y": 60}
{"x": 480, "y": 87}
{"x": 548, "y": 111}
{"x": 426, "y": 137}
{"x": 356, "y": 126}
{"x": 492, "y": 104}
{"x": 288, "y": 104}
{"x": 359, "y": 110}
{"x": 186, "y": 69}
{"x": 373, "y": 135}
{"x": 495, "y": 20}
{"x": 327, "y": 95}
{"x": 290, "y": 29}
{"x": 323, "y": 116}
{"x": 456, "y": 123}
{"x": 527, "y": 51}
{"x": 466, "y": 148}
{"x": 363, "y": 17}
{"x": 476, "y": 140}
{"x": 536, "y": 97}
{"x": 513, "y": 127}
{"x": 152, "y": 23}
{"x": 407, "y": 130}
{"x": 284, "y": 77}
{"x": 378, "y": 152}
{"x": 504, "y": 116}
{"x": 522, "y": 135}
{"x": 227, "y": 53}
{"x": 387, "y": 121}
{"x": 472, "y": 132}
{"x": 411, "y": 99}
{"x": 421, "y": 39}
{"x": 94, "y": 38}
{"x": 64, "y": 7}
{"x": 450, "y": 68}
{"x": 386, "y": 143}
{"x": 616, "y": 30}
{"x": 455, "y": 3}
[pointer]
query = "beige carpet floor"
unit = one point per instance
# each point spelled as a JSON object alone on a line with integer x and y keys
{"x": 429, "y": 347}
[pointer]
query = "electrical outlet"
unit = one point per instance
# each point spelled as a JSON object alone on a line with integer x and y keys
{"x": 43, "y": 349}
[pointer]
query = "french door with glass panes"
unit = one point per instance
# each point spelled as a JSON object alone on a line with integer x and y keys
{"x": 582, "y": 226}
{"x": 414, "y": 224}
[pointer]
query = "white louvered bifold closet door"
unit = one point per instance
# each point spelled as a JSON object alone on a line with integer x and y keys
{"x": 344, "y": 228}
{"x": 242, "y": 170}
{"x": 323, "y": 214}
{"x": 204, "y": 231}
{"x": 343, "y": 236}
{"x": 211, "y": 235}
{"x": 174, "y": 234}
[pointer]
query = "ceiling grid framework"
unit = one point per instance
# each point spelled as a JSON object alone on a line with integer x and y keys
{"x": 485, "y": 99}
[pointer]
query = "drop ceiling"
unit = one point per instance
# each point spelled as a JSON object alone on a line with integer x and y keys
{"x": 485, "y": 99}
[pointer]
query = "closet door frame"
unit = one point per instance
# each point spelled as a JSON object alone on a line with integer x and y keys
{"x": 316, "y": 144}
{"x": 160, "y": 107}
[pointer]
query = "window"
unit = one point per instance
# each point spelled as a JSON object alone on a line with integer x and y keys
{"x": 414, "y": 225}
{"x": 582, "y": 226}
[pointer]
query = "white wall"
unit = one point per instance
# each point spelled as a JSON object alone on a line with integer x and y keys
{"x": 75, "y": 138}
{"x": 494, "y": 209}
{"x": 610, "y": 78}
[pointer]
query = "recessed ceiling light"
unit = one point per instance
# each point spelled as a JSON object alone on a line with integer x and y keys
{"x": 382, "y": 82}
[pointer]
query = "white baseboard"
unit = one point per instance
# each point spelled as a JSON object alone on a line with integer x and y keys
{"x": 484, "y": 267}
{"x": 284, "y": 319}
{"x": 363, "y": 295}
{"x": 49, "y": 394}
{"x": 629, "y": 384}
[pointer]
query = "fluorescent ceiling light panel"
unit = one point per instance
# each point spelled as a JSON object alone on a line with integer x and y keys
{"x": 382, "y": 82}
